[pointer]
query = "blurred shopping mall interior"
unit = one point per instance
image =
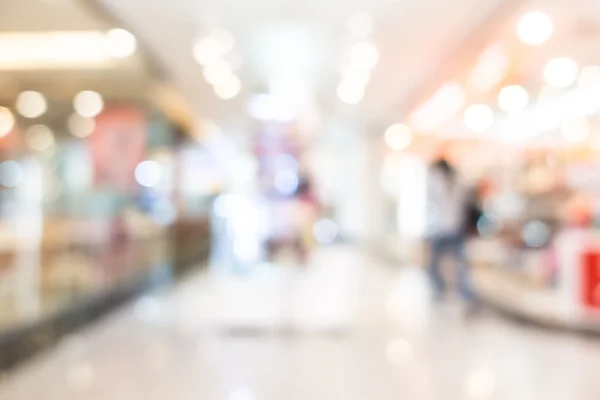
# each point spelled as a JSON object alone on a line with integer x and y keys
{"x": 240, "y": 200}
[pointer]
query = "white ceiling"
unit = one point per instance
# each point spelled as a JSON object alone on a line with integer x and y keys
{"x": 415, "y": 38}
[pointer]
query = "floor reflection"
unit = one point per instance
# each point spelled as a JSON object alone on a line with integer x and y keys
{"x": 346, "y": 327}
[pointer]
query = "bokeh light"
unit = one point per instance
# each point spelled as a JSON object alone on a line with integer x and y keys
{"x": 364, "y": 55}
{"x": 88, "y": 104}
{"x": 535, "y": 28}
{"x": 7, "y": 121}
{"x": 229, "y": 88}
{"x": 479, "y": 117}
{"x": 39, "y": 138}
{"x": 513, "y": 98}
{"x": 536, "y": 234}
{"x": 31, "y": 104}
{"x": 120, "y": 43}
{"x": 561, "y": 72}
{"x": 350, "y": 93}
{"x": 325, "y": 231}
{"x": 286, "y": 182}
{"x": 207, "y": 50}
{"x": 11, "y": 174}
{"x": 224, "y": 39}
{"x": 81, "y": 126}
{"x": 217, "y": 72}
{"x": 148, "y": 173}
{"x": 398, "y": 137}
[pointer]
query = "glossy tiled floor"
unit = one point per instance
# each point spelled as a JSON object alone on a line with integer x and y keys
{"x": 347, "y": 328}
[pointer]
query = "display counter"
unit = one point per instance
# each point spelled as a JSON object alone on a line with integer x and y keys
{"x": 48, "y": 291}
{"x": 558, "y": 286}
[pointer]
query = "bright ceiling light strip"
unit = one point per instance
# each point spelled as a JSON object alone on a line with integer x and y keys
{"x": 548, "y": 115}
{"x": 54, "y": 50}
{"x": 441, "y": 107}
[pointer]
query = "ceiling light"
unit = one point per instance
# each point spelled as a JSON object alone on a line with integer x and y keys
{"x": 442, "y": 106}
{"x": 479, "y": 117}
{"x": 224, "y": 39}
{"x": 360, "y": 24}
{"x": 350, "y": 93}
{"x": 398, "y": 137}
{"x": 39, "y": 138}
{"x": 81, "y": 126}
{"x": 229, "y": 88}
{"x": 217, "y": 71}
{"x": 513, "y": 98}
{"x": 561, "y": 72}
{"x": 535, "y": 28}
{"x": 207, "y": 50}
{"x": 589, "y": 76}
{"x": 88, "y": 104}
{"x": 31, "y": 104}
{"x": 7, "y": 121}
{"x": 492, "y": 66}
{"x": 364, "y": 55}
{"x": 53, "y": 50}
{"x": 577, "y": 130}
{"x": 120, "y": 43}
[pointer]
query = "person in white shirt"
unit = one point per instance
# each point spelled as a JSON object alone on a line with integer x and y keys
{"x": 447, "y": 208}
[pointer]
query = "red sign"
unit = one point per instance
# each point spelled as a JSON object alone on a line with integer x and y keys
{"x": 590, "y": 278}
{"x": 118, "y": 145}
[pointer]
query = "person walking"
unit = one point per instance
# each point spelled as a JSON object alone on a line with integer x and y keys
{"x": 448, "y": 203}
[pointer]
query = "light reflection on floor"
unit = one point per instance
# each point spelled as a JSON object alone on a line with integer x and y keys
{"x": 345, "y": 328}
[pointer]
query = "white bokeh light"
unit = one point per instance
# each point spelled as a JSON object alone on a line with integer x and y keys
{"x": 148, "y": 173}
{"x": 31, "y": 104}
{"x": 350, "y": 93}
{"x": 535, "y": 28}
{"x": 286, "y": 182}
{"x": 513, "y": 98}
{"x": 561, "y": 72}
{"x": 11, "y": 174}
{"x": 479, "y": 117}
{"x": 207, "y": 50}
{"x": 364, "y": 55}
{"x": 576, "y": 130}
{"x": 39, "y": 138}
{"x": 7, "y": 121}
{"x": 217, "y": 72}
{"x": 224, "y": 39}
{"x": 229, "y": 88}
{"x": 360, "y": 24}
{"x": 398, "y": 137}
{"x": 88, "y": 104}
{"x": 325, "y": 231}
{"x": 120, "y": 43}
